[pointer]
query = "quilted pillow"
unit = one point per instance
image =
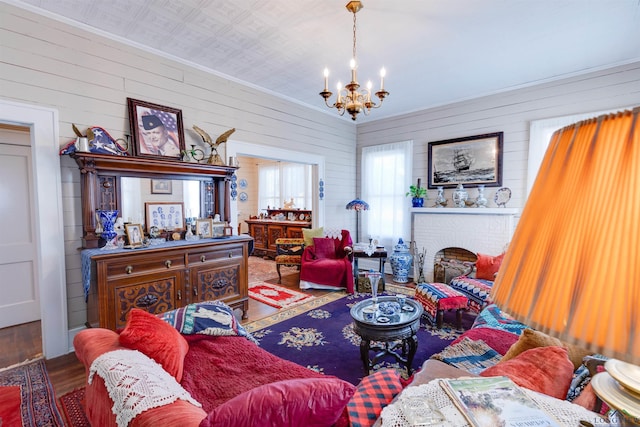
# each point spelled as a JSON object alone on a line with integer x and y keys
{"x": 492, "y": 317}
{"x": 472, "y": 356}
{"x": 497, "y": 339}
{"x": 324, "y": 248}
{"x": 206, "y": 318}
{"x": 374, "y": 392}
{"x": 298, "y": 402}
{"x": 487, "y": 266}
{"x": 156, "y": 339}
{"x": 309, "y": 233}
{"x": 547, "y": 370}
{"x": 532, "y": 339}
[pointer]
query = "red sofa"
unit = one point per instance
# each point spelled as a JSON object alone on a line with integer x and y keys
{"x": 236, "y": 382}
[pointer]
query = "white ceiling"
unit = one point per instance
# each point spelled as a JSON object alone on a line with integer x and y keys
{"x": 435, "y": 51}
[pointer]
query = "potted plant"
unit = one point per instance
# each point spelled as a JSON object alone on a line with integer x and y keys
{"x": 418, "y": 194}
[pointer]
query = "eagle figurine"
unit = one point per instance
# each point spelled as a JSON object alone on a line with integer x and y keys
{"x": 214, "y": 157}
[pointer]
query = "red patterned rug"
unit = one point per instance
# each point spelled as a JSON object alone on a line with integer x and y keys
{"x": 277, "y": 296}
{"x": 73, "y": 406}
{"x": 35, "y": 403}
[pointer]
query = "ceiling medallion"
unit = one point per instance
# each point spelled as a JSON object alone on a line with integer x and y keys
{"x": 350, "y": 98}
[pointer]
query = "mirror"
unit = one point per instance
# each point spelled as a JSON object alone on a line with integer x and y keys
{"x": 135, "y": 192}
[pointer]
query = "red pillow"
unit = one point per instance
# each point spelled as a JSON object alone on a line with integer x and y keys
{"x": 546, "y": 370}
{"x": 324, "y": 247}
{"x": 298, "y": 402}
{"x": 497, "y": 339}
{"x": 157, "y": 339}
{"x": 487, "y": 266}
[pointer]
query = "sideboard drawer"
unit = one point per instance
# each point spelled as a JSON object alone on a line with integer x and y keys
{"x": 144, "y": 265}
{"x": 217, "y": 254}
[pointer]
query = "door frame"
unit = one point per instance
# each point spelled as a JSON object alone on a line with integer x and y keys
{"x": 50, "y": 268}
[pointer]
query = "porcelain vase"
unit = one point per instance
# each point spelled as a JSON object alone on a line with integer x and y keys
{"x": 108, "y": 221}
{"x": 441, "y": 201}
{"x": 481, "y": 201}
{"x": 401, "y": 260}
{"x": 460, "y": 196}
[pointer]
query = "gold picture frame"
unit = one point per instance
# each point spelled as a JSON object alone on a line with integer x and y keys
{"x": 204, "y": 228}
{"x": 134, "y": 234}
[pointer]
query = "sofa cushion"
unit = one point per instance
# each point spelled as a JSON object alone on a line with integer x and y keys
{"x": 492, "y": 317}
{"x": 309, "y": 233}
{"x": 374, "y": 392}
{"x": 324, "y": 247}
{"x": 298, "y": 402}
{"x": 206, "y": 318}
{"x": 532, "y": 339}
{"x": 497, "y": 339}
{"x": 546, "y": 370}
{"x": 487, "y": 266}
{"x": 157, "y": 339}
{"x": 472, "y": 356}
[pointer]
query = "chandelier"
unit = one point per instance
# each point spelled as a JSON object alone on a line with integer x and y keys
{"x": 350, "y": 98}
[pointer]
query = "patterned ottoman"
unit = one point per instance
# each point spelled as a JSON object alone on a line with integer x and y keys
{"x": 288, "y": 253}
{"x": 438, "y": 297}
{"x": 477, "y": 290}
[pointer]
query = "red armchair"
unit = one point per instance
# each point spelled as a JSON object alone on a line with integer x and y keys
{"x": 327, "y": 263}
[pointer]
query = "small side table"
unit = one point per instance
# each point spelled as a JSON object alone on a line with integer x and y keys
{"x": 379, "y": 253}
{"x": 401, "y": 327}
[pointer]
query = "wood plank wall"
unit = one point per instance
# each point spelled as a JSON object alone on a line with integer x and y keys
{"x": 510, "y": 112}
{"x": 88, "y": 78}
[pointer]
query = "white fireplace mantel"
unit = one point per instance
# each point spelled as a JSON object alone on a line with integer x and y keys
{"x": 479, "y": 230}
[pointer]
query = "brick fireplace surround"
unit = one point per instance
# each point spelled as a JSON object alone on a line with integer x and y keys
{"x": 487, "y": 231}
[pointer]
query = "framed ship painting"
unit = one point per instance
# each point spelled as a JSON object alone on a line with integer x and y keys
{"x": 470, "y": 161}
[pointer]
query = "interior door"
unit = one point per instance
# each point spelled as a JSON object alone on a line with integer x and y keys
{"x": 18, "y": 286}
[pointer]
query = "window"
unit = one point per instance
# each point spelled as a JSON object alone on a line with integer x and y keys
{"x": 282, "y": 182}
{"x": 386, "y": 176}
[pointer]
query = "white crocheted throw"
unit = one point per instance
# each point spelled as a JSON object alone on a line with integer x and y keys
{"x": 136, "y": 383}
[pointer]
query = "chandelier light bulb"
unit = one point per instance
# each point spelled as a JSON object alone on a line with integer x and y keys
{"x": 326, "y": 79}
{"x": 383, "y": 73}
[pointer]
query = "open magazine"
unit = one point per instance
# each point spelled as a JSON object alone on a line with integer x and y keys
{"x": 495, "y": 402}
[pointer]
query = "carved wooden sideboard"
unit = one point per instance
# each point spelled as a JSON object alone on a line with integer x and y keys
{"x": 158, "y": 279}
{"x": 161, "y": 277}
{"x": 266, "y": 231}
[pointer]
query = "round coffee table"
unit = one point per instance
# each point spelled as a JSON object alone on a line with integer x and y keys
{"x": 402, "y": 327}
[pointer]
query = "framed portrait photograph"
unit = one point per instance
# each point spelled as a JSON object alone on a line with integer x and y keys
{"x": 204, "y": 227}
{"x": 161, "y": 186}
{"x": 156, "y": 129}
{"x": 471, "y": 161}
{"x": 134, "y": 234}
{"x": 167, "y": 216}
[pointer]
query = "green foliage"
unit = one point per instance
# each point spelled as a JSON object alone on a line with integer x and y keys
{"x": 415, "y": 191}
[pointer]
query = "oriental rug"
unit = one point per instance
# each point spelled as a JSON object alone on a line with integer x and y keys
{"x": 276, "y": 296}
{"x": 73, "y": 407}
{"x": 319, "y": 335}
{"x": 37, "y": 406}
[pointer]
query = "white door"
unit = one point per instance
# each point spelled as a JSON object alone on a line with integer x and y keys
{"x": 18, "y": 286}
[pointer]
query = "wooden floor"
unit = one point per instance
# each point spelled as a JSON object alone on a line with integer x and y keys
{"x": 66, "y": 372}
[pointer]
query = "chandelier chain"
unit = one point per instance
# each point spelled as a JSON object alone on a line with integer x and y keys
{"x": 354, "y": 36}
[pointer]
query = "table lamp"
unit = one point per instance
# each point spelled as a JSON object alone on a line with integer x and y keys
{"x": 572, "y": 269}
{"x": 357, "y": 205}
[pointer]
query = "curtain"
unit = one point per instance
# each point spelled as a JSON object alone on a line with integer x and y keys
{"x": 285, "y": 182}
{"x": 386, "y": 176}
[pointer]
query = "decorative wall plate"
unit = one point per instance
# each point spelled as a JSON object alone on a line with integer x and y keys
{"x": 243, "y": 197}
{"x": 502, "y": 197}
{"x": 301, "y": 217}
{"x": 242, "y": 183}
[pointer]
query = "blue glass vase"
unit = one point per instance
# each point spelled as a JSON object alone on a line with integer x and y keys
{"x": 401, "y": 260}
{"x": 108, "y": 221}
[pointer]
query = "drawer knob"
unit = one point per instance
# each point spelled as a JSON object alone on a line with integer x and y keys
{"x": 179, "y": 296}
{"x": 168, "y": 263}
{"x": 203, "y": 258}
{"x": 230, "y": 254}
{"x": 128, "y": 269}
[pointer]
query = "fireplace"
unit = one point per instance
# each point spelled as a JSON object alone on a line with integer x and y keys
{"x": 452, "y": 262}
{"x": 477, "y": 230}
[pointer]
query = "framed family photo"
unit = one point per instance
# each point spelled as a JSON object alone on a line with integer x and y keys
{"x": 204, "y": 227}
{"x": 134, "y": 234}
{"x": 161, "y": 186}
{"x": 164, "y": 215}
{"x": 157, "y": 130}
{"x": 471, "y": 161}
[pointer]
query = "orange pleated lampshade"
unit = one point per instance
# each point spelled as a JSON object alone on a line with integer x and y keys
{"x": 572, "y": 269}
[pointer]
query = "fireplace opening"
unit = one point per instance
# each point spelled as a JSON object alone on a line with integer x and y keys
{"x": 452, "y": 262}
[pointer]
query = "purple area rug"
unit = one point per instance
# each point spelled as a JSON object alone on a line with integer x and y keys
{"x": 320, "y": 336}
